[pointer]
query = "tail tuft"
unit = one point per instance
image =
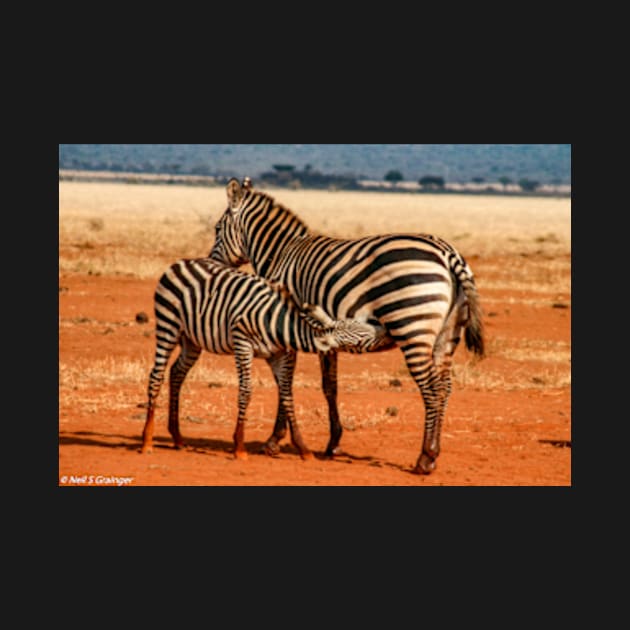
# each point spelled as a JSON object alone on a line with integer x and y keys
{"x": 474, "y": 330}
{"x": 474, "y": 334}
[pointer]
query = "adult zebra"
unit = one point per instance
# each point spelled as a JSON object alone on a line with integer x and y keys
{"x": 203, "y": 305}
{"x": 416, "y": 285}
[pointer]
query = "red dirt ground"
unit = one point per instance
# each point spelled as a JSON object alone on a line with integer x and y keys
{"x": 491, "y": 436}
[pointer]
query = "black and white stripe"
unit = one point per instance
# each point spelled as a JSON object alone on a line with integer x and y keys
{"x": 417, "y": 286}
{"x": 204, "y": 305}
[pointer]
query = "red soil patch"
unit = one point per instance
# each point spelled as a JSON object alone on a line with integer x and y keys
{"x": 491, "y": 436}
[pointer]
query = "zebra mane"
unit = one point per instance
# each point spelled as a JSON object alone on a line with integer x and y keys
{"x": 251, "y": 193}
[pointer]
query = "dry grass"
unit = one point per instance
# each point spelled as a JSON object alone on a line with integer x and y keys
{"x": 111, "y": 371}
{"x": 133, "y": 229}
{"x": 548, "y": 366}
{"x": 478, "y": 225}
{"x": 545, "y": 276}
{"x": 114, "y": 228}
{"x": 520, "y": 377}
{"x": 530, "y": 350}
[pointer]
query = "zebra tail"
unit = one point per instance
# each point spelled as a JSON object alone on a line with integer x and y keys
{"x": 474, "y": 334}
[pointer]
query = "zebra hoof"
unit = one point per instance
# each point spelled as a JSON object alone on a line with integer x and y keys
{"x": 270, "y": 448}
{"x": 178, "y": 443}
{"x": 425, "y": 465}
{"x": 331, "y": 453}
{"x": 307, "y": 456}
{"x": 242, "y": 455}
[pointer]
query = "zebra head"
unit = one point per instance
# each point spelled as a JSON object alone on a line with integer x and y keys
{"x": 250, "y": 223}
{"x": 229, "y": 247}
{"x": 349, "y": 335}
{"x": 356, "y": 336}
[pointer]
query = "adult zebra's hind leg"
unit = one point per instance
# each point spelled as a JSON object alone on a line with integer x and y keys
{"x": 328, "y": 365}
{"x": 186, "y": 359}
{"x": 422, "y": 368}
{"x": 283, "y": 367}
{"x": 433, "y": 375}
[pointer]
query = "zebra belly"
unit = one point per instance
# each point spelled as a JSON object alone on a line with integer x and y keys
{"x": 410, "y": 298}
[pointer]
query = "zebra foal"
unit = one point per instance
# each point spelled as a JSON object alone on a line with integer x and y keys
{"x": 204, "y": 305}
{"x": 417, "y": 286}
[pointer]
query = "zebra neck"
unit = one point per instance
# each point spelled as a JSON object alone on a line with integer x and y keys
{"x": 271, "y": 237}
{"x": 272, "y": 265}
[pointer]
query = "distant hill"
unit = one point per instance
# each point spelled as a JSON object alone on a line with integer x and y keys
{"x": 455, "y": 163}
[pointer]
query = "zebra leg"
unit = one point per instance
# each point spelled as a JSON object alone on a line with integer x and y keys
{"x": 147, "y": 432}
{"x": 328, "y": 365}
{"x": 164, "y": 349}
{"x": 155, "y": 382}
{"x": 244, "y": 355}
{"x": 434, "y": 405}
{"x": 419, "y": 359}
{"x": 436, "y": 385}
{"x": 296, "y": 436}
{"x": 283, "y": 368}
{"x": 186, "y": 359}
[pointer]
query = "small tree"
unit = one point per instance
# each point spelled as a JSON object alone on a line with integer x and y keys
{"x": 394, "y": 177}
{"x": 504, "y": 181}
{"x": 431, "y": 181}
{"x": 528, "y": 185}
{"x": 284, "y": 168}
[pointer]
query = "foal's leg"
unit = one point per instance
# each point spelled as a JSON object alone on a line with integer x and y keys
{"x": 164, "y": 348}
{"x": 186, "y": 359}
{"x": 243, "y": 354}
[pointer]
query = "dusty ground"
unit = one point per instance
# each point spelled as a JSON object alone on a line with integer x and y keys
{"x": 508, "y": 420}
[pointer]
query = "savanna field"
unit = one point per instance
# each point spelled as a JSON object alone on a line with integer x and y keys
{"x": 508, "y": 420}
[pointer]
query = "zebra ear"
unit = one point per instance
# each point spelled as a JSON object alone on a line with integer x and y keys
{"x": 247, "y": 183}
{"x": 234, "y": 193}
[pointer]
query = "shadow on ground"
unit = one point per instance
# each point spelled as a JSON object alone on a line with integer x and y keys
{"x": 205, "y": 446}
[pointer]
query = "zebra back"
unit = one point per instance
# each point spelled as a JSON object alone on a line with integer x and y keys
{"x": 209, "y": 303}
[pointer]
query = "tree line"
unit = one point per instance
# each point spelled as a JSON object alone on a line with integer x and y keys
{"x": 437, "y": 182}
